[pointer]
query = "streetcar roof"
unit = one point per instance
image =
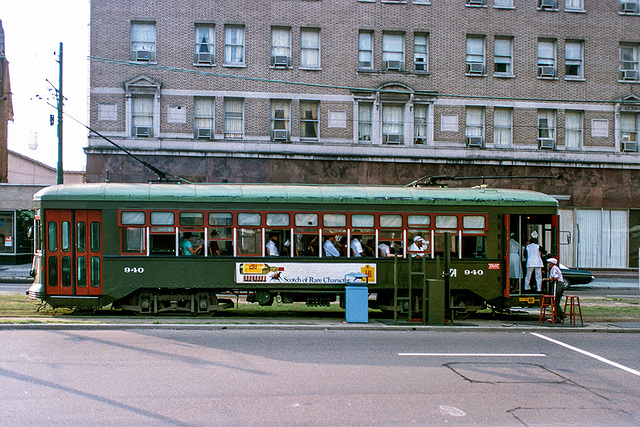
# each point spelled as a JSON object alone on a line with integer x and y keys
{"x": 293, "y": 193}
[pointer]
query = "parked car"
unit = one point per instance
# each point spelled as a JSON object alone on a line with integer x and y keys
{"x": 573, "y": 276}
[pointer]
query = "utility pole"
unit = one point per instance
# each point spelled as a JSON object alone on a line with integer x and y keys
{"x": 60, "y": 102}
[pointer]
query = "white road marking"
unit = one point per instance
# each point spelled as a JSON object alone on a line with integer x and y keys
{"x": 586, "y": 353}
{"x": 452, "y": 411}
{"x": 475, "y": 354}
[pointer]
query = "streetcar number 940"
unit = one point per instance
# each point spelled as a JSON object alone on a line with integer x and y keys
{"x": 134, "y": 270}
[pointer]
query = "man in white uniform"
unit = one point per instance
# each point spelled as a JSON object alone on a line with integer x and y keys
{"x": 356, "y": 247}
{"x": 534, "y": 264}
{"x": 272, "y": 248}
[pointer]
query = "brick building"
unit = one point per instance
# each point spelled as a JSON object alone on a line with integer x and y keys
{"x": 381, "y": 92}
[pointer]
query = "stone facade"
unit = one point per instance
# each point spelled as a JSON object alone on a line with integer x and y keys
{"x": 375, "y": 92}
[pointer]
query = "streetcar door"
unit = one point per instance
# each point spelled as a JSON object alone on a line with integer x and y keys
{"x": 73, "y": 252}
{"x": 88, "y": 252}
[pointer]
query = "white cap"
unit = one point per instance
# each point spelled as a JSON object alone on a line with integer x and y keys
{"x": 417, "y": 239}
{"x": 552, "y": 260}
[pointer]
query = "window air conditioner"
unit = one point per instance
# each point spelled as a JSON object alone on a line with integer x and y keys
{"x": 475, "y": 141}
{"x": 393, "y": 139}
{"x": 629, "y": 7}
{"x": 548, "y": 4}
{"x": 143, "y": 55}
{"x": 629, "y": 75}
{"x": 204, "y": 58}
{"x": 280, "y": 135}
{"x": 546, "y": 71}
{"x": 142, "y": 131}
{"x": 629, "y": 146}
{"x": 279, "y": 61}
{"x": 204, "y": 133}
{"x": 393, "y": 65}
{"x": 547, "y": 143}
{"x": 475, "y": 68}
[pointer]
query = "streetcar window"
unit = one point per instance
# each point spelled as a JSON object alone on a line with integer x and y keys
{"x": 95, "y": 236}
{"x": 52, "y": 236}
{"x": 249, "y": 218}
{"x": 474, "y": 247}
{"x": 419, "y": 220}
{"x": 53, "y": 271}
{"x": 82, "y": 268}
{"x": 66, "y": 271}
{"x": 306, "y": 220}
{"x": 132, "y": 218}
{"x": 95, "y": 272}
{"x": 163, "y": 244}
{"x": 133, "y": 240}
{"x": 362, "y": 220}
{"x": 473, "y": 221}
{"x": 391, "y": 221}
{"x": 220, "y": 241}
{"x": 249, "y": 241}
{"x": 81, "y": 236}
{"x": 65, "y": 234}
{"x": 220, "y": 218}
{"x": 446, "y": 221}
{"x": 439, "y": 245}
{"x": 306, "y": 244}
{"x": 277, "y": 219}
{"x": 162, "y": 218}
{"x": 334, "y": 220}
{"x": 191, "y": 218}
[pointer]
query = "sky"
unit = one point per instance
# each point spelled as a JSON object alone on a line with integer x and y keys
{"x": 33, "y": 31}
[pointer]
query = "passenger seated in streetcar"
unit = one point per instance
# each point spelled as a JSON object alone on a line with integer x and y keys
{"x": 356, "y": 247}
{"x": 214, "y": 248}
{"x": 384, "y": 250}
{"x": 329, "y": 247}
{"x": 369, "y": 248}
{"x": 187, "y": 244}
{"x": 272, "y": 245}
{"x": 418, "y": 247}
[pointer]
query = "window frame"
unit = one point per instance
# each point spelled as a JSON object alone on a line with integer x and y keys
{"x": 508, "y": 56}
{"x": 473, "y": 58}
{"x": 574, "y": 62}
{"x": 422, "y": 54}
{"x": 200, "y": 58}
{"x": 232, "y": 116}
{"x": 275, "y": 61}
{"x": 305, "y": 50}
{"x": 143, "y": 45}
{"x": 362, "y": 51}
{"x": 305, "y": 122}
{"x": 390, "y": 52}
{"x": 231, "y": 45}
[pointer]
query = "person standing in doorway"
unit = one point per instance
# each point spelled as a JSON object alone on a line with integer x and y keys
{"x": 534, "y": 265}
{"x": 515, "y": 263}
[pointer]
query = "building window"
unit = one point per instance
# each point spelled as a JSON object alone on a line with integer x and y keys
{"x": 629, "y": 63}
{"x": 546, "y": 58}
{"x": 475, "y": 55}
{"x": 476, "y": 3}
{"x": 203, "y": 117}
{"x": 310, "y": 48}
{"x": 573, "y": 129}
{"x": 365, "y": 50}
{"x": 502, "y": 3}
{"x": 503, "y": 56}
{"x": 548, "y": 4}
{"x": 573, "y": 60}
{"x": 502, "y": 127}
{"x": 393, "y": 51}
{"x": 421, "y": 52}
{"x": 308, "y": 120}
{"x": 204, "y": 45}
{"x": 547, "y": 128}
{"x": 574, "y": 5}
{"x": 365, "y": 111}
{"x": 143, "y": 42}
{"x": 629, "y": 124}
{"x": 142, "y": 116}
{"x": 280, "y": 47}
{"x": 392, "y": 124}
{"x": 233, "y": 118}
{"x": 475, "y": 126}
{"x": 234, "y": 45}
{"x": 280, "y": 126}
{"x": 420, "y": 123}
{"x": 629, "y": 7}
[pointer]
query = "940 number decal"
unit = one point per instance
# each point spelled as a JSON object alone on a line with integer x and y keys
{"x": 138, "y": 270}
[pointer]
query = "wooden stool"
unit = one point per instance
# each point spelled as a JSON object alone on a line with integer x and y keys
{"x": 572, "y": 301}
{"x": 548, "y": 302}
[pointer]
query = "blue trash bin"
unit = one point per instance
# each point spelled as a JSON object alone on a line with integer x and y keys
{"x": 357, "y": 304}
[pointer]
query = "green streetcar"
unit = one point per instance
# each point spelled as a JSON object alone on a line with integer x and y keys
{"x": 130, "y": 245}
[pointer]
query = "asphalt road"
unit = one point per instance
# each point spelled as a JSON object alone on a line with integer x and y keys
{"x": 322, "y": 377}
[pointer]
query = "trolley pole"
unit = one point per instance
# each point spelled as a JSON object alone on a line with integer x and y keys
{"x": 60, "y": 102}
